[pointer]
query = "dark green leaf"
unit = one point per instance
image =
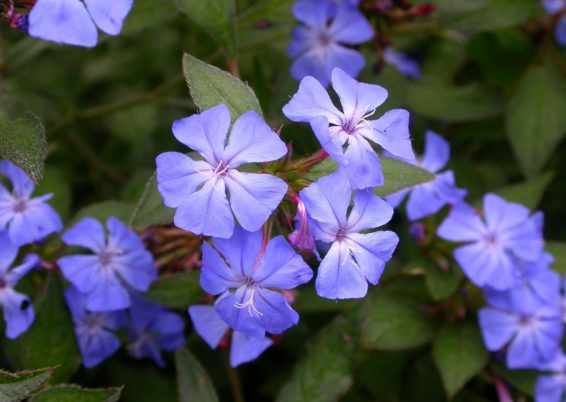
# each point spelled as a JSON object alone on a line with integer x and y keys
{"x": 23, "y": 142}
{"x": 391, "y": 324}
{"x": 459, "y": 354}
{"x": 73, "y": 393}
{"x": 104, "y": 210}
{"x": 528, "y": 193}
{"x": 441, "y": 284}
{"x": 150, "y": 209}
{"x": 535, "y": 118}
{"x": 146, "y": 14}
{"x": 495, "y": 14}
{"x": 50, "y": 341}
{"x": 211, "y": 86}
{"x": 558, "y": 251}
{"x": 454, "y": 103}
{"x": 17, "y": 386}
{"x": 217, "y": 17}
{"x": 176, "y": 291}
{"x": 193, "y": 383}
{"x": 523, "y": 380}
{"x": 325, "y": 373}
{"x": 400, "y": 175}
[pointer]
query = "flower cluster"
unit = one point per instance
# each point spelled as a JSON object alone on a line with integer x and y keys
{"x": 554, "y": 7}
{"x": 250, "y": 272}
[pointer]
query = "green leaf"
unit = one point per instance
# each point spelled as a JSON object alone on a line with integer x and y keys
{"x": 391, "y": 324}
{"x": 73, "y": 393}
{"x": 193, "y": 383}
{"x": 523, "y": 380}
{"x": 210, "y": 86}
{"x": 217, "y": 17}
{"x": 176, "y": 291}
{"x": 22, "y": 141}
{"x": 441, "y": 284}
{"x": 459, "y": 354}
{"x": 325, "y": 373}
{"x": 50, "y": 341}
{"x": 528, "y": 193}
{"x": 454, "y": 103}
{"x": 104, "y": 210}
{"x": 495, "y": 14}
{"x": 150, "y": 209}
{"x": 18, "y": 386}
{"x": 148, "y": 13}
{"x": 535, "y": 118}
{"x": 400, "y": 175}
{"x": 558, "y": 251}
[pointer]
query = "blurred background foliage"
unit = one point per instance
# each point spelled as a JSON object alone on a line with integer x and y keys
{"x": 492, "y": 84}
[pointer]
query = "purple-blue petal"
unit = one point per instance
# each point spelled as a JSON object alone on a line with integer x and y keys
{"x": 246, "y": 348}
{"x": 208, "y": 324}
{"x": 109, "y": 17}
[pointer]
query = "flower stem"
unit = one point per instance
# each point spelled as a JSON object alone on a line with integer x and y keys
{"x": 233, "y": 378}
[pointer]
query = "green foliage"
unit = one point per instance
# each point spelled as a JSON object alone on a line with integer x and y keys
{"x": 558, "y": 250}
{"x": 324, "y": 373}
{"x": 459, "y": 354}
{"x": 73, "y": 393}
{"x": 400, "y": 175}
{"x": 210, "y": 86}
{"x": 528, "y": 193}
{"x": 177, "y": 290}
{"x": 217, "y": 17}
{"x": 23, "y": 142}
{"x": 16, "y": 387}
{"x": 535, "y": 117}
{"x": 50, "y": 341}
{"x": 442, "y": 284}
{"x": 193, "y": 383}
{"x": 150, "y": 209}
{"x": 391, "y": 324}
{"x": 104, "y": 210}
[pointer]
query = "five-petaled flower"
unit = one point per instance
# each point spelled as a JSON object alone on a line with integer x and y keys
{"x": 120, "y": 260}
{"x": 354, "y": 258}
{"x": 351, "y": 129}
{"x": 428, "y": 198}
{"x": 249, "y": 275}
{"x": 197, "y": 188}
{"x": 17, "y": 307}
{"x": 74, "y": 22}
{"x": 319, "y": 43}
{"x": 26, "y": 219}
{"x": 493, "y": 248}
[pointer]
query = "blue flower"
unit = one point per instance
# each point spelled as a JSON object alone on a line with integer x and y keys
{"x": 198, "y": 188}
{"x": 403, "y": 63}
{"x": 95, "y": 332}
{"x": 353, "y": 258}
{"x": 351, "y": 129}
{"x": 26, "y": 219}
{"x": 153, "y": 328}
{"x": 250, "y": 276}
{"x": 213, "y": 329}
{"x": 74, "y": 22}
{"x": 17, "y": 307}
{"x": 531, "y": 339}
{"x": 429, "y": 198}
{"x": 319, "y": 44}
{"x": 553, "y": 6}
{"x": 551, "y": 387}
{"x": 493, "y": 248}
{"x": 560, "y": 32}
{"x": 536, "y": 286}
{"x": 120, "y": 260}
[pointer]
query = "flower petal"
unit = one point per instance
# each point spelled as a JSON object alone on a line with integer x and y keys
{"x": 207, "y": 211}
{"x": 311, "y": 101}
{"x": 109, "y": 17}
{"x": 497, "y": 327}
{"x": 391, "y": 131}
{"x": 369, "y": 212}
{"x": 81, "y": 270}
{"x": 205, "y": 132}
{"x": 330, "y": 143}
{"x": 276, "y": 314}
{"x": 241, "y": 250}
{"x": 216, "y": 277}
{"x": 253, "y": 197}
{"x": 363, "y": 166}
{"x": 327, "y": 200}
{"x": 549, "y": 388}
{"x": 8, "y": 252}
{"x": 242, "y": 319}
{"x": 88, "y": 233}
{"x": 108, "y": 294}
{"x": 178, "y": 176}
{"x": 372, "y": 251}
{"x": 350, "y": 27}
{"x": 338, "y": 276}
{"x": 62, "y": 21}
{"x": 30, "y": 262}
{"x": 246, "y": 348}
{"x": 357, "y": 98}
{"x": 281, "y": 267}
{"x": 208, "y": 324}
{"x": 437, "y": 152}
{"x": 252, "y": 140}
{"x": 462, "y": 224}
{"x": 486, "y": 266}
{"x": 22, "y": 185}
{"x": 18, "y": 312}
{"x": 35, "y": 223}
